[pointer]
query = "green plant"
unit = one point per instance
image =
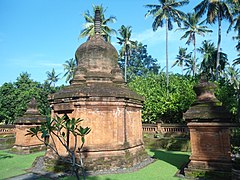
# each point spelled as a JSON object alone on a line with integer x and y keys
{"x": 62, "y": 128}
{"x": 158, "y": 104}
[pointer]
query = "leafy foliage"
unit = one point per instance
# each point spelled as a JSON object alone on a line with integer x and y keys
{"x": 52, "y": 77}
{"x": 62, "y": 128}
{"x": 127, "y": 46}
{"x": 226, "y": 94}
{"x": 140, "y": 63}
{"x": 216, "y": 11}
{"x": 70, "y": 67}
{"x": 165, "y": 13}
{"x": 15, "y": 96}
{"x": 160, "y": 106}
{"x": 208, "y": 64}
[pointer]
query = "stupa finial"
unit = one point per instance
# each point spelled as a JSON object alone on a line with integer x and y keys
{"x": 97, "y": 21}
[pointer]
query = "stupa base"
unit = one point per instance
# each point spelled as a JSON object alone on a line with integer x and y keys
{"x": 27, "y": 149}
{"x": 104, "y": 161}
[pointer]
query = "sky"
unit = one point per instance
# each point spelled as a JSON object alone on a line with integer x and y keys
{"x": 37, "y": 36}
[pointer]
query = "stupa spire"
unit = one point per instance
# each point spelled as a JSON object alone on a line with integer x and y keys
{"x": 97, "y": 21}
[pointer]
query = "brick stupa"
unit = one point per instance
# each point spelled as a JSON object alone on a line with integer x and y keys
{"x": 31, "y": 118}
{"x": 209, "y": 123}
{"x": 99, "y": 95}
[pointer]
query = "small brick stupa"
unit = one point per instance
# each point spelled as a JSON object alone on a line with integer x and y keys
{"x": 99, "y": 95}
{"x": 209, "y": 125}
{"x": 31, "y": 119}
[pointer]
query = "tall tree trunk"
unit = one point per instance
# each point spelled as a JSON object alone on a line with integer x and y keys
{"x": 238, "y": 107}
{"x": 218, "y": 46}
{"x": 195, "y": 55}
{"x": 167, "y": 76}
{"x": 125, "y": 67}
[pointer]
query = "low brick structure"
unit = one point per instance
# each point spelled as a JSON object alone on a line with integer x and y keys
{"x": 209, "y": 125}
{"x": 7, "y": 136}
{"x": 32, "y": 118}
{"x": 165, "y": 129}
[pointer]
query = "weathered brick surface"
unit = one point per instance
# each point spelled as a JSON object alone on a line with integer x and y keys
{"x": 30, "y": 119}
{"x": 209, "y": 125}
{"x": 99, "y": 95}
{"x": 210, "y": 146}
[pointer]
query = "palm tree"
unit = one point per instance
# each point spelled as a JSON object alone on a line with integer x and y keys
{"x": 208, "y": 65}
{"x": 233, "y": 76}
{"x": 106, "y": 31}
{"x": 128, "y": 45}
{"x": 70, "y": 67}
{"x": 52, "y": 77}
{"x": 207, "y": 50}
{"x": 190, "y": 67}
{"x": 193, "y": 27}
{"x": 235, "y": 9}
{"x": 166, "y": 12}
{"x": 217, "y": 10}
{"x": 237, "y": 60}
{"x": 182, "y": 57}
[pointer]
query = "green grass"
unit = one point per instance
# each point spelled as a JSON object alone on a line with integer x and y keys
{"x": 164, "y": 168}
{"x": 13, "y": 164}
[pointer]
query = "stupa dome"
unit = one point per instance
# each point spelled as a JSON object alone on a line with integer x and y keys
{"x": 97, "y": 61}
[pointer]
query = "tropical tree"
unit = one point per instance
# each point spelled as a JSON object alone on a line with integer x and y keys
{"x": 127, "y": 45}
{"x": 190, "y": 67}
{"x": 70, "y": 67}
{"x": 182, "y": 57}
{"x": 208, "y": 64}
{"x": 216, "y": 10}
{"x": 160, "y": 106}
{"x": 232, "y": 84}
{"x": 106, "y": 31}
{"x": 15, "y": 96}
{"x": 52, "y": 77}
{"x": 166, "y": 12}
{"x": 234, "y": 5}
{"x": 140, "y": 62}
{"x": 193, "y": 27}
{"x": 237, "y": 60}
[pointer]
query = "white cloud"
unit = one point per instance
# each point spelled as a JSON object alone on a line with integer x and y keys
{"x": 37, "y": 60}
{"x": 149, "y": 36}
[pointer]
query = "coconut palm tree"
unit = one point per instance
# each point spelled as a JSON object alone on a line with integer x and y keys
{"x": 216, "y": 10}
{"x": 127, "y": 45}
{"x": 235, "y": 9}
{"x": 70, "y": 67}
{"x": 237, "y": 60}
{"x": 193, "y": 27}
{"x": 106, "y": 31}
{"x": 182, "y": 57}
{"x": 165, "y": 13}
{"x": 233, "y": 77}
{"x": 190, "y": 67}
{"x": 52, "y": 77}
{"x": 208, "y": 65}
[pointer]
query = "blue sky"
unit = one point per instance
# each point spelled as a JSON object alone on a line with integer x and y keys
{"x": 36, "y": 36}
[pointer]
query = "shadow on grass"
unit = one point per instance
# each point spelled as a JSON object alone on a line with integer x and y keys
{"x": 172, "y": 158}
{"x": 5, "y": 156}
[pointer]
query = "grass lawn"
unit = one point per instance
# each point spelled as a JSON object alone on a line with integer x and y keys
{"x": 13, "y": 164}
{"x": 165, "y": 167}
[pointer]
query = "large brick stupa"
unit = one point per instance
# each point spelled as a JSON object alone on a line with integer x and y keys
{"x": 99, "y": 95}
